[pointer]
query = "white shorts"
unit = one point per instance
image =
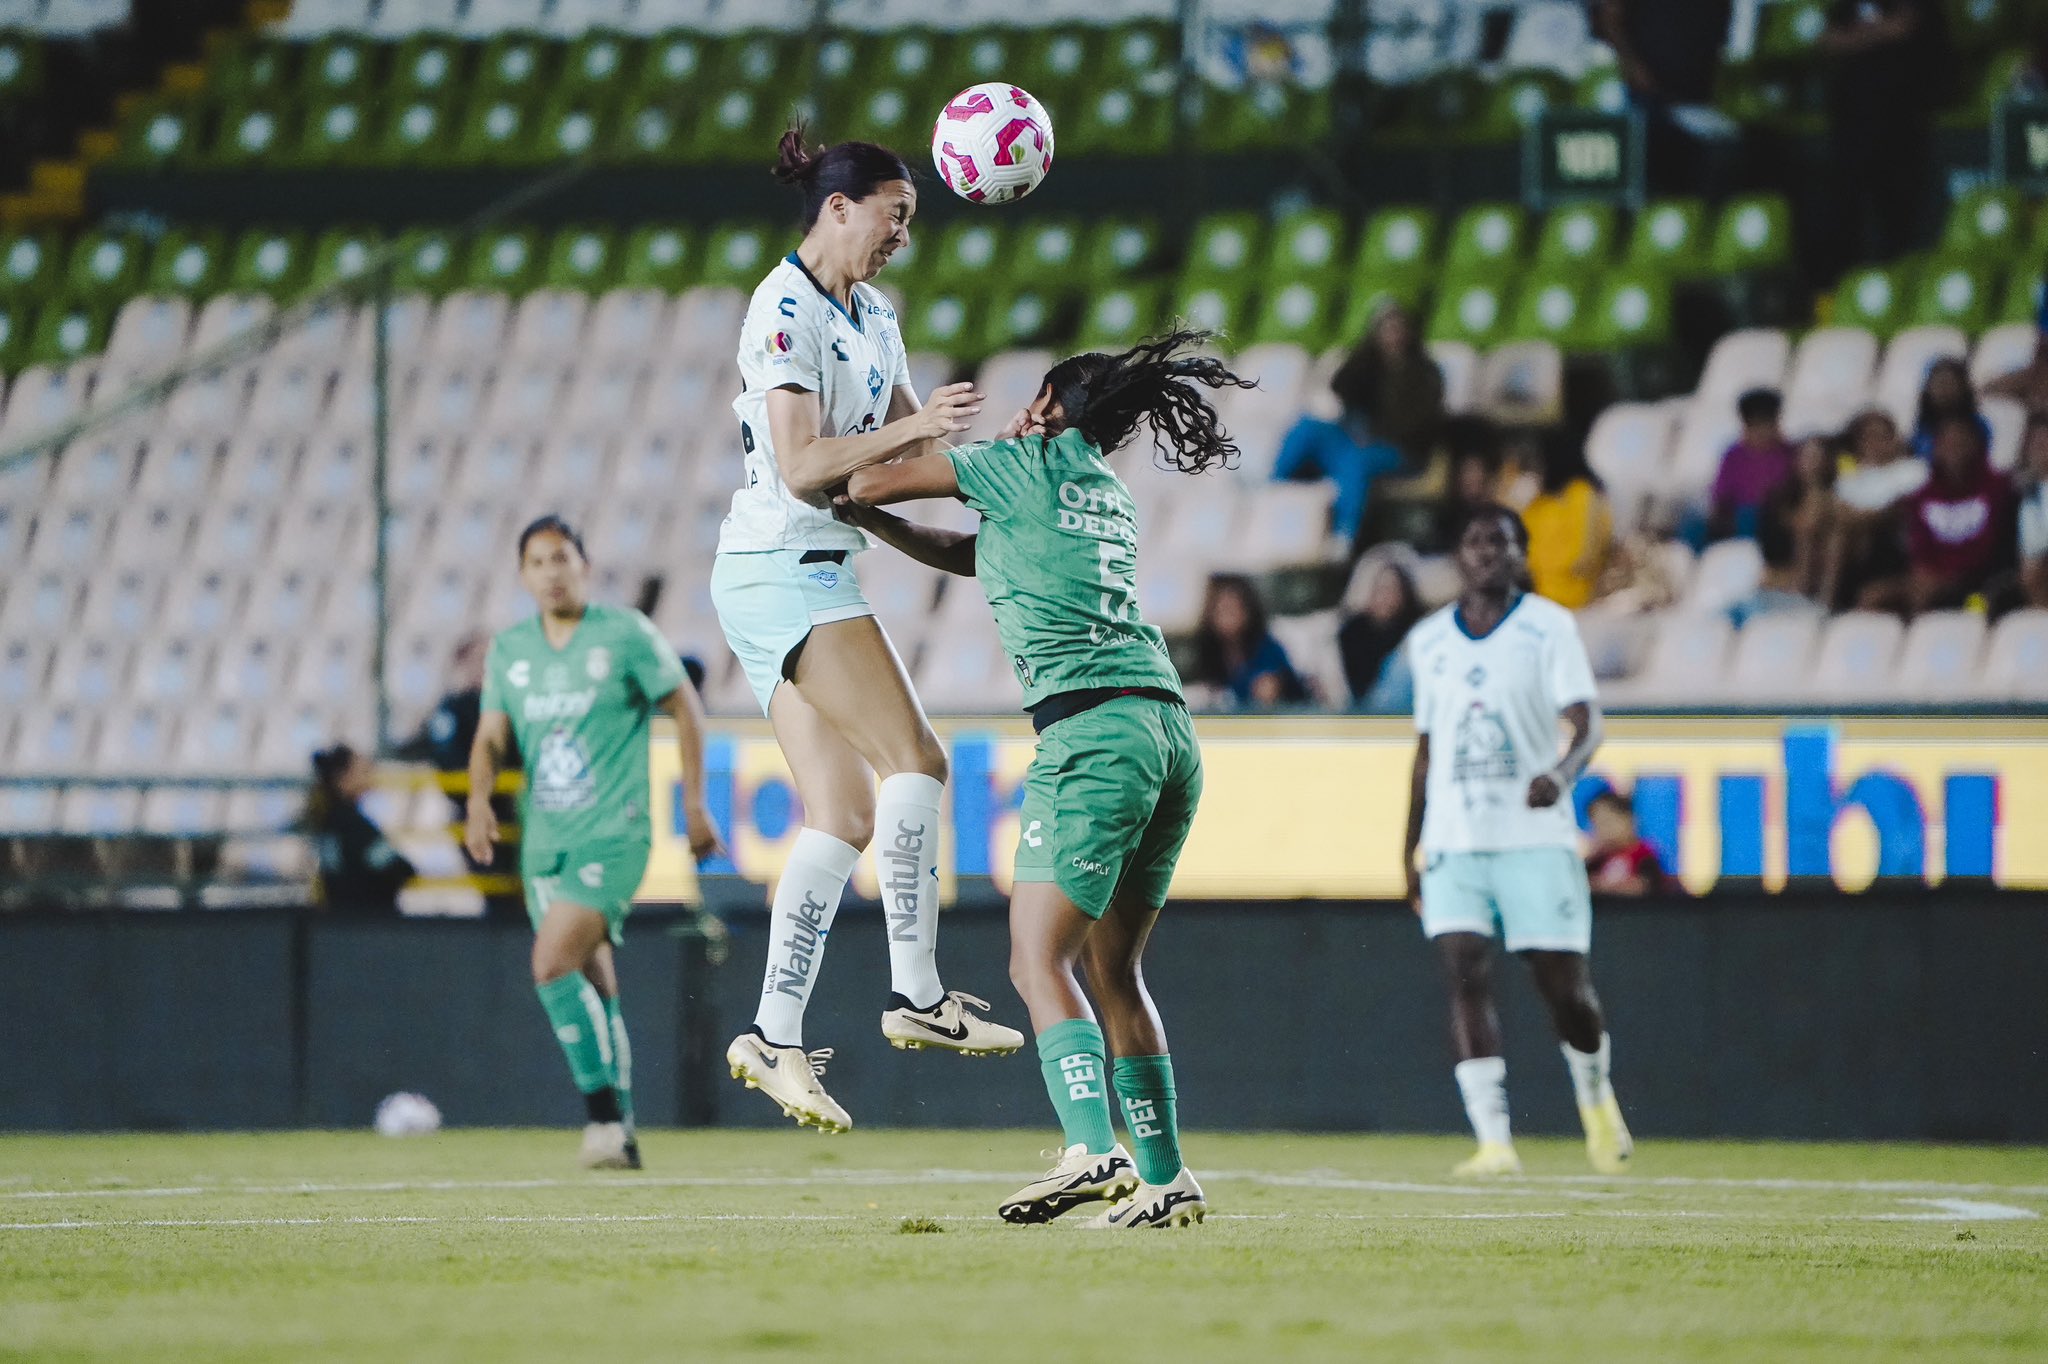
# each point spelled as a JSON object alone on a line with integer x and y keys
{"x": 1537, "y": 896}
{"x": 768, "y": 600}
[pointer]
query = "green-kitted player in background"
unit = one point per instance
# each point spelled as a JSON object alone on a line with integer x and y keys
{"x": 577, "y": 685}
{"x": 1112, "y": 790}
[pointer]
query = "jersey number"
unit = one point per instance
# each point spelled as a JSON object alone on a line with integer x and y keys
{"x": 1119, "y": 573}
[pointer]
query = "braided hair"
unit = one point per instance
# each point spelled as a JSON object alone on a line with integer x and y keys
{"x": 1106, "y": 396}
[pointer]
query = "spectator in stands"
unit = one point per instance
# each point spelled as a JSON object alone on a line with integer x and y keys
{"x": 445, "y": 737}
{"x": 1668, "y": 54}
{"x": 1367, "y": 640}
{"x": 1946, "y": 393}
{"x": 1571, "y": 528}
{"x": 1890, "y": 70}
{"x": 1751, "y": 468}
{"x": 1811, "y": 512}
{"x": 1235, "y": 651}
{"x": 1870, "y": 496}
{"x": 1475, "y": 482}
{"x": 1960, "y": 528}
{"x": 1393, "y": 407}
{"x": 2033, "y": 527}
{"x": 1619, "y": 860}
{"x": 2028, "y": 385}
{"x": 1782, "y": 586}
{"x": 360, "y": 872}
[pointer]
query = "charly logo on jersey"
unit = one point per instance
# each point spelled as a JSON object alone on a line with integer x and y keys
{"x": 839, "y": 351}
{"x": 519, "y": 674}
{"x": 598, "y": 663}
{"x": 1476, "y": 676}
{"x": 561, "y": 774}
{"x": 1481, "y": 751}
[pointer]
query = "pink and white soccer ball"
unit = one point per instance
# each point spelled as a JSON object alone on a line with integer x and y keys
{"x": 992, "y": 143}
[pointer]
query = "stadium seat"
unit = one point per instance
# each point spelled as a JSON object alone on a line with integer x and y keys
{"x": 148, "y": 536}
{"x": 2001, "y": 350}
{"x": 1877, "y": 299}
{"x": 1118, "y": 317}
{"x": 469, "y": 327}
{"x": 176, "y": 472}
{"x": 94, "y": 472}
{"x": 1475, "y": 312}
{"x": 1628, "y": 447}
{"x": 1577, "y": 239}
{"x": 1631, "y": 309}
{"x": 1119, "y": 250}
{"x": 1216, "y": 305}
{"x": 341, "y": 254}
{"x": 180, "y": 811}
{"x": 69, "y": 540}
{"x": 227, "y": 316}
{"x": 1754, "y": 232}
{"x": 251, "y": 669}
{"x": 204, "y": 603}
{"x": 1985, "y": 223}
{"x": 1903, "y": 370}
{"x": 1287, "y": 526}
{"x": 1830, "y": 380}
{"x": 416, "y": 132}
{"x": 161, "y": 132}
{"x": 1550, "y": 307}
{"x": 1954, "y": 296}
{"x": 1774, "y": 658}
{"x": 1522, "y": 383}
{"x": 1685, "y": 664}
{"x": 98, "y": 811}
{"x": 288, "y": 398}
{"x": 1223, "y": 247}
{"x": 2016, "y": 667}
{"x": 1754, "y": 357}
{"x": 24, "y": 668}
{"x": 329, "y": 672}
{"x": 504, "y": 260}
{"x": 171, "y": 670}
{"x": 284, "y": 605}
{"x": 1728, "y": 571}
{"x": 233, "y": 535}
{"x": 1459, "y": 364}
{"x": 737, "y": 256}
{"x": 2008, "y": 422}
{"x": 90, "y": 672}
{"x": 965, "y": 253}
{"x": 1395, "y": 253}
{"x": 68, "y": 330}
{"x": 41, "y": 605}
{"x": 251, "y": 137}
{"x": 215, "y": 739}
{"x": 148, "y": 332}
{"x": 1941, "y": 659}
{"x": 1485, "y": 240}
{"x": 1857, "y": 659}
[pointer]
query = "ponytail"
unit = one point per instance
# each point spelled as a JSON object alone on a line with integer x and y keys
{"x": 1106, "y": 396}
{"x": 854, "y": 169}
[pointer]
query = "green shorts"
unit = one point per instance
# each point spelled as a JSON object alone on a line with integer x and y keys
{"x": 600, "y": 876}
{"x": 1108, "y": 802}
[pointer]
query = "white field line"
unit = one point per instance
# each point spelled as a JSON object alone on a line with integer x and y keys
{"x": 1898, "y": 1186}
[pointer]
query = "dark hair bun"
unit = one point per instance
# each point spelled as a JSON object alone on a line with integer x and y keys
{"x": 794, "y": 165}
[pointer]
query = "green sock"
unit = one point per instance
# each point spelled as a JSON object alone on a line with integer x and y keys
{"x": 1145, "y": 1085}
{"x": 576, "y": 1014}
{"x": 622, "y": 1059}
{"x": 1071, "y": 1057}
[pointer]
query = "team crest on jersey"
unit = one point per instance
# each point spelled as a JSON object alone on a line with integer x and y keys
{"x": 1476, "y": 676}
{"x": 874, "y": 382}
{"x": 519, "y": 674}
{"x": 598, "y": 663}
{"x": 561, "y": 774}
{"x": 1481, "y": 751}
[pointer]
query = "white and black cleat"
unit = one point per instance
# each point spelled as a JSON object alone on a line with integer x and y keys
{"x": 1078, "y": 1178}
{"x": 789, "y": 1076}
{"x": 949, "y": 1025}
{"x": 1176, "y": 1203}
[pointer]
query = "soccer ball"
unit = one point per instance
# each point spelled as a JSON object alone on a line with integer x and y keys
{"x": 407, "y": 1115}
{"x": 992, "y": 143}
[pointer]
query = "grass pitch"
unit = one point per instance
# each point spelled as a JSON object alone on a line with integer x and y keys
{"x": 490, "y": 1246}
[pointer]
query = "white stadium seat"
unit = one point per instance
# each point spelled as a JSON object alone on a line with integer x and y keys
{"x": 98, "y": 810}
{"x": 53, "y": 739}
{"x": 1773, "y": 656}
{"x": 1010, "y": 379}
{"x": 489, "y": 18}
{"x": 605, "y": 396}
{"x": 149, "y": 332}
{"x": 173, "y": 811}
{"x": 338, "y": 469}
{"x": 178, "y": 471}
{"x": 2002, "y": 350}
{"x": 1830, "y": 380}
{"x": 548, "y": 325}
{"x": 317, "y": 18}
{"x": 227, "y": 317}
{"x": 1704, "y": 434}
{"x": 205, "y": 604}
{"x": 289, "y": 400}
{"x": 703, "y": 324}
{"x": 690, "y": 395}
{"x": 151, "y": 536}
{"x": 91, "y": 672}
{"x": 651, "y": 462}
{"x": 137, "y": 739}
{"x": 215, "y": 739}
{"x": 629, "y": 533}
{"x": 1460, "y": 366}
{"x": 446, "y": 402}
{"x": 1857, "y": 657}
{"x": 2008, "y": 422}
{"x": 528, "y": 398}
{"x": 1904, "y": 369}
{"x": 43, "y": 397}
{"x": 25, "y": 809}
{"x": 1942, "y": 658}
{"x": 1287, "y": 526}
{"x": 574, "y": 18}
{"x": 1311, "y": 645}
{"x": 576, "y": 464}
{"x": 285, "y": 603}
{"x": 252, "y": 669}
{"x": 171, "y": 670}
{"x": 496, "y": 468}
{"x": 24, "y": 670}
{"x": 476, "y": 530}
{"x": 420, "y": 468}
{"x": 441, "y": 601}
{"x": 291, "y": 735}
{"x": 69, "y": 539}
{"x": 318, "y": 340}
{"x": 1687, "y": 658}
{"x": 234, "y": 536}
{"x": 1755, "y": 357}
{"x": 971, "y": 672}
{"x": 626, "y": 327}
{"x": 1629, "y": 447}
{"x": 330, "y": 536}
{"x": 41, "y": 605}
{"x": 331, "y": 671}
{"x": 96, "y": 469}
{"x": 2016, "y": 668}
{"x": 404, "y": 18}
{"x": 123, "y": 602}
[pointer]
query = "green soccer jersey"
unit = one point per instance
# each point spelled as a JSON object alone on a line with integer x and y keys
{"x": 580, "y": 714}
{"x": 1058, "y": 558}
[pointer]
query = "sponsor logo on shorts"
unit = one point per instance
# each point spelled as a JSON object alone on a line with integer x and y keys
{"x": 899, "y": 891}
{"x": 1093, "y": 868}
{"x": 792, "y": 974}
{"x": 826, "y": 578}
{"x": 1031, "y": 835}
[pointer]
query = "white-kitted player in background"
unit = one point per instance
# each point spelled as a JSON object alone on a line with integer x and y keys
{"x": 1491, "y": 811}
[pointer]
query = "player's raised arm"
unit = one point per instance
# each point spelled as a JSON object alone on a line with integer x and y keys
{"x": 812, "y": 462}
{"x": 486, "y": 758}
{"x": 683, "y": 707}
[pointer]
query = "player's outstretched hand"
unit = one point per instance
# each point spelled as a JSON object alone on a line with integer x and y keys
{"x": 480, "y": 835}
{"x": 1021, "y": 425}
{"x": 845, "y": 509}
{"x": 951, "y": 408}
{"x": 1544, "y": 791}
{"x": 706, "y": 842}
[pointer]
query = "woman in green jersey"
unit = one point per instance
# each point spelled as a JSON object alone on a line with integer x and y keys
{"x": 576, "y": 685}
{"x": 1112, "y": 791}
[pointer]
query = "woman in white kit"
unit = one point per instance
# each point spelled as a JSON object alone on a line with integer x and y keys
{"x": 826, "y": 391}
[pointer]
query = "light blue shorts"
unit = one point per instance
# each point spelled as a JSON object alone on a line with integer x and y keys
{"x": 1537, "y": 896}
{"x": 768, "y": 601}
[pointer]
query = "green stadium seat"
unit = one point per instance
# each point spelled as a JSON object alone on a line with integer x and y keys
{"x": 1054, "y": 60}
{"x": 248, "y": 66}
{"x": 2021, "y": 299}
{"x": 1262, "y": 116}
{"x": 416, "y": 133}
{"x": 496, "y": 132}
{"x": 1954, "y": 294}
{"x": 598, "y": 63}
{"x": 987, "y": 55}
{"x": 103, "y": 268}
{"x": 21, "y": 67}
{"x": 1670, "y": 237}
{"x": 738, "y": 255}
{"x": 1397, "y": 248}
{"x": 514, "y": 66}
{"x": 1224, "y": 246}
{"x": 660, "y": 256}
{"x": 1486, "y": 238}
{"x": 1029, "y": 317}
{"x": 1754, "y": 233}
{"x": 970, "y": 254}
{"x": 909, "y": 57}
{"x": 161, "y": 132}
{"x": 1219, "y": 305}
{"x": 1577, "y": 238}
{"x": 1118, "y": 120}
{"x": 1140, "y": 53}
{"x": 1517, "y": 101}
{"x": 427, "y": 260}
{"x": 941, "y": 320}
{"x": 505, "y": 259}
{"x": 342, "y": 254}
{"x": 428, "y": 66}
{"x": 1045, "y": 255}
{"x": 1632, "y": 309}
{"x": 758, "y": 60}
{"x": 269, "y": 262}
{"x": 191, "y": 263}
{"x": 1474, "y": 311}
{"x": 341, "y": 64}
{"x": 254, "y": 135}
{"x": 68, "y": 330}
{"x": 728, "y": 126}
{"x": 1987, "y": 222}
{"x": 1551, "y": 306}
{"x": 673, "y": 63}
{"x": 31, "y": 263}
{"x": 1120, "y": 249}
{"x": 1788, "y": 31}
{"x": 1300, "y": 313}
{"x": 572, "y": 127}
{"x": 582, "y": 258}
{"x": 1307, "y": 245}
{"x": 17, "y": 326}
{"x": 892, "y": 115}
{"x": 1874, "y": 299}
{"x": 1601, "y": 89}
{"x": 336, "y": 133}
{"x": 1367, "y": 297}
{"x": 648, "y": 128}
{"x": 1120, "y": 316}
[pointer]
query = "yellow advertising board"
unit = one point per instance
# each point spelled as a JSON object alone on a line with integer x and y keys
{"x": 1314, "y": 807}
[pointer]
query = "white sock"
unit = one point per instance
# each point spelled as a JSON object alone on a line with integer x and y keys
{"x": 1484, "y": 1083}
{"x": 906, "y": 852}
{"x": 1589, "y": 1073}
{"x": 806, "y": 900}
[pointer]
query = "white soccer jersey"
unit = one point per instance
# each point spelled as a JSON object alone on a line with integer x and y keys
{"x": 1490, "y": 708}
{"x": 797, "y": 334}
